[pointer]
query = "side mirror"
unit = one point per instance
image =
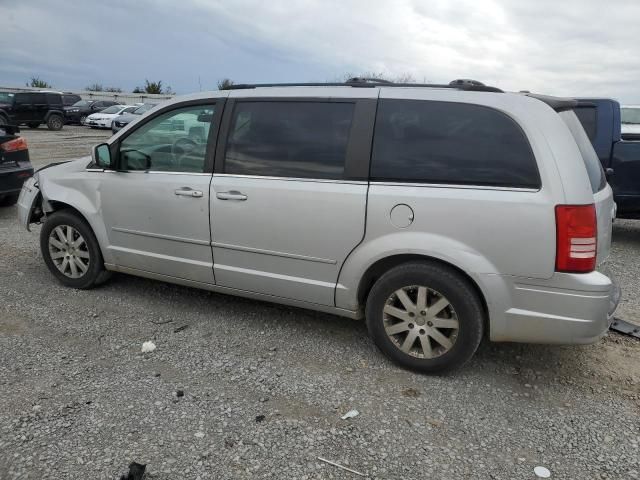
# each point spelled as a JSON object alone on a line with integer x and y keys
{"x": 101, "y": 156}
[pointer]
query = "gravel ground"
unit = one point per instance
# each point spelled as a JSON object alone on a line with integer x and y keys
{"x": 265, "y": 385}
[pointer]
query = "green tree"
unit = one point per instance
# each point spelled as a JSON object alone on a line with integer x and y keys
{"x": 138, "y": 90}
{"x": 94, "y": 87}
{"x": 153, "y": 87}
{"x": 37, "y": 82}
{"x": 225, "y": 84}
{"x": 402, "y": 78}
{"x": 113, "y": 89}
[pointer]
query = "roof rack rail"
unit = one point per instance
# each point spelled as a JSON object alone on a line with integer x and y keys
{"x": 357, "y": 82}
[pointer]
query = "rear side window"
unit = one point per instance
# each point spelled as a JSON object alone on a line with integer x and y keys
{"x": 450, "y": 143}
{"x": 597, "y": 177}
{"x": 588, "y": 118}
{"x": 289, "y": 139}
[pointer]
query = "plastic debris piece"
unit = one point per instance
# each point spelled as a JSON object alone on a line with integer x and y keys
{"x": 341, "y": 466}
{"x": 148, "y": 347}
{"x": 350, "y": 414}
{"x": 542, "y": 472}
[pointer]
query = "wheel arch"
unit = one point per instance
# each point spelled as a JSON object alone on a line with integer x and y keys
{"x": 383, "y": 265}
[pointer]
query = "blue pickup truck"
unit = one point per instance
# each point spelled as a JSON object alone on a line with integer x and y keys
{"x": 619, "y": 153}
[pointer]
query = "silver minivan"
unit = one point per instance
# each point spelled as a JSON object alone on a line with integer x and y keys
{"x": 441, "y": 214}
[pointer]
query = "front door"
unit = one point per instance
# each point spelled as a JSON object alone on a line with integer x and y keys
{"x": 289, "y": 194}
{"x": 156, "y": 205}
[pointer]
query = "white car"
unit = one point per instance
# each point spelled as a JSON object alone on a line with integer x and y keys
{"x": 104, "y": 118}
{"x": 630, "y": 119}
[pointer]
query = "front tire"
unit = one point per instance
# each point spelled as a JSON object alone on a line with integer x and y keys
{"x": 425, "y": 317}
{"x": 71, "y": 252}
{"x": 55, "y": 122}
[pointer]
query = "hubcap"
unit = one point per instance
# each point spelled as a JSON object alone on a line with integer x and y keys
{"x": 69, "y": 251}
{"x": 420, "y": 321}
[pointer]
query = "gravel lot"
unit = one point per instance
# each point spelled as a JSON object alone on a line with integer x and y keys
{"x": 265, "y": 385}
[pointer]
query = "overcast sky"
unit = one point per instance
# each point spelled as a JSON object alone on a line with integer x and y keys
{"x": 569, "y": 47}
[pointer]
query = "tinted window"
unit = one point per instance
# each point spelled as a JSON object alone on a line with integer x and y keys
{"x": 454, "y": 143}
{"x": 54, "y": 99}
{"x": 25, "y": 98}
{"x": 289, "y": 139}
{"x": 591, "y": 161}
{"x": 175, "y": 141}
{"x": 587, "y": 117}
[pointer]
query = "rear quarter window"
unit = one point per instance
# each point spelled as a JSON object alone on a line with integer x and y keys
{"x": 591, "y": 161}
{"x": 450, "y": 143}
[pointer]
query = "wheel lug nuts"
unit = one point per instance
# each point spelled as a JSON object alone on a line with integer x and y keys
{"x": 411, "y": 325}
{"x": 411, "y": 314}
{"x": 430, "y": 324}
{"x": 422, "y": 331}
{"x": 423, "y": 313}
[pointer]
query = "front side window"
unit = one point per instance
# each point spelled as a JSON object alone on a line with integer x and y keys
{"x": 450, "y": 143}
{"x": 289, "y": 139}
{"x": 175, "y": 141}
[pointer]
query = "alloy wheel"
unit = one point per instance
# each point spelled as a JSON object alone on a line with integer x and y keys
{"x": 69, "y": 251}
{"x": 420, "y": 321}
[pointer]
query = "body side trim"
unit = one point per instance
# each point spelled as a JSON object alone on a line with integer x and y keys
{"x": 273, "y": 253}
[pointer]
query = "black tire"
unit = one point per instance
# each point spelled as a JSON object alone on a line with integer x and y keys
{"x": 9, "y": 200}
{"x": 83, "y": 118}
{"x": 96, "y": 273}
{"x": 55, "y": 122}
{"x": 3, "y": 120}
{"x": 33, "y": 124}
{"x": 462, "y": 298}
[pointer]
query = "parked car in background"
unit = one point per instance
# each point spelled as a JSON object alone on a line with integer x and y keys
{"x": 69, "y": 99}
{"x": 104, "y": 118}
{"x": 127, "y": 118}
{"x": 79, "y": 111}
{"x": 15, "y": 166}
{"x": 442, "y": 215}
{"x": 630, "y": 119}
{"x": 33, "y": 109}
{"x": 618, "y": 152}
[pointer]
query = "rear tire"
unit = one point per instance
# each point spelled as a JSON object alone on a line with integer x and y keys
{"x": 33, "y": 124}
{"x": 3, "y": 120}
{"x": 402, "y": 325}
{"x": 9, "y": 200}
{"x": 55, "y": 122}
{"x": 71, "y": 252}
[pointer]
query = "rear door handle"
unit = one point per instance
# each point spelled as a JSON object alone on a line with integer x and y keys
{"x": 231, "y": 195}
{"x": 188, "y": 192}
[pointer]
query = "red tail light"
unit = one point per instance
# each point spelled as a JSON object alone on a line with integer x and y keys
{"x": 14, "y": 145}
{"x": 576, "y": 238}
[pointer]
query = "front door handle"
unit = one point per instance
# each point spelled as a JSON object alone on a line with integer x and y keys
{"x": 231, "y": 195}
{"x": 188, "y": 192}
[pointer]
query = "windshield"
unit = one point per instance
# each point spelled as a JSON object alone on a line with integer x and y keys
{"x": 143, "y": 108}
{"x": 83, "y": 103}
{"x": 5, "y": 97}
{"x": 630, "y": 115}
{"x": 113, "y": 109}
{"x": 589, "y": 156}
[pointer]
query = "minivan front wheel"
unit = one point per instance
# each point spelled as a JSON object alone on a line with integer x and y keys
{"x": 425, "y": 317}
{"x": 71, "y": 251}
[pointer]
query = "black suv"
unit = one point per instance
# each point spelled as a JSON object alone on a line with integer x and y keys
{"x": 79, "y": 111}
{"x": 32, "y": 109}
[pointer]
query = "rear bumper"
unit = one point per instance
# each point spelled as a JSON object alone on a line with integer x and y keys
{"x": 11, "y": 180}
{"x": 565, "y": 309}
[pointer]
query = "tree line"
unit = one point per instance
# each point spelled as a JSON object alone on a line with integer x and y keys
{"x": 159, "y": 88}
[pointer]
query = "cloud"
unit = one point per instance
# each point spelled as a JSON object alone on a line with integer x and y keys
{"x": 563, "y": 48}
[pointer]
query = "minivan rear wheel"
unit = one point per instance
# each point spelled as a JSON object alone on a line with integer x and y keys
{"x": 71, "y": 252}
{"x": 425, "y": 316}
